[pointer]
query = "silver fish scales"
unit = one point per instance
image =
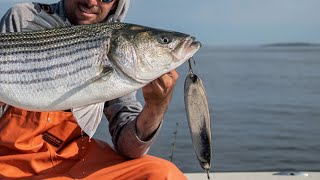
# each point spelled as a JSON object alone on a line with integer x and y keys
{"x": 38, "y": 68}
{"x": 83, "y": 66}
{"x": 34, "y": 66}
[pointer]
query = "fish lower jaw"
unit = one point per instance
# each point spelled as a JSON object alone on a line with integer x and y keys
{"x": 186, "y": 51}
{"x": 181, "y": 59}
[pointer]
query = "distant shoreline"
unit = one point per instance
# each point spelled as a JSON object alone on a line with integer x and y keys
{"x": 295, "y": 44}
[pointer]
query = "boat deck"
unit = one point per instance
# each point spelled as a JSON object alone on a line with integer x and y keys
{"x": 255, "y": 176}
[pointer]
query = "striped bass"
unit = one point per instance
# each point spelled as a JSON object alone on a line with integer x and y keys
{"x": 198, "y": 116}
{"x": 78, "y": 66}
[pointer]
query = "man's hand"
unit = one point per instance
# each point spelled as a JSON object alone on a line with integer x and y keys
{"x": 1, "y": 103}
{"x": 157, "y": 96}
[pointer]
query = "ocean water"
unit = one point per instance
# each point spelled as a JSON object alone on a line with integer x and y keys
{"x": 265, "y": 110}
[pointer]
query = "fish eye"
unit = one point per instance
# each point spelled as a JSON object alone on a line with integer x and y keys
{"x": 163, "y": 39}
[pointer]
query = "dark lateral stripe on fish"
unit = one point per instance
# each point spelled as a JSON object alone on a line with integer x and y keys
{"x": 49, "y": 68}
{"x": 47, "y": 58}
{"x": 17, "y": 40}
{"x": 46, "y": 79}
{"x": 75, "y": 32}
{"x": 13, "y": 38}
{"x": 50, "y": 33}
{"x": 40, "y": 41}
{"x": 31, "y": 48}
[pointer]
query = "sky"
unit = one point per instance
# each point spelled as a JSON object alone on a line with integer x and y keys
{"x": 226, "y": 22}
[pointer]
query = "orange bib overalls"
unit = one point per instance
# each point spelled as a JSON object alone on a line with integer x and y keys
{"x": 50, "y": 145}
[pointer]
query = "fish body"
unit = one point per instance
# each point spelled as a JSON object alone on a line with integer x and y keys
{"x": 53, "y": 66}
{"x": 198, "y": 116}
{"x": 68, "y": 67}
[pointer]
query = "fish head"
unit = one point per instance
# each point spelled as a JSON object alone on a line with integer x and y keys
{"x": 145, "y": 53}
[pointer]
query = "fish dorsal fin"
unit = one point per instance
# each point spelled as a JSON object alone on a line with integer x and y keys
{"x": 43, "y": 21}
{"x": 89, "y": 117}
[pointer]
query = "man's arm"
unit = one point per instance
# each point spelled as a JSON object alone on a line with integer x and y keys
{"x": 134, "y": 129}
{"x": 157, "y": 96}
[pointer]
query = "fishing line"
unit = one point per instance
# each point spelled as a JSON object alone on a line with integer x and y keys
{"x": 190, "y": 65}
{"x": 173, "y": 147}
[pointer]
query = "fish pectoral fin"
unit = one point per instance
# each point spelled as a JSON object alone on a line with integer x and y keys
{"x": 43, "y": 21}
{"x": 106, "y": 70}
{"x": 89, "y": 117}
{"x": 104, "y": 73}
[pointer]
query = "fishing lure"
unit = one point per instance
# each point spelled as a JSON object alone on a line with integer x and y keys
{"x": 198, "y": 116}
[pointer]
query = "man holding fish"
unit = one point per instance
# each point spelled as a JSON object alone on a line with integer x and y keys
{"x": 50, "y": 144}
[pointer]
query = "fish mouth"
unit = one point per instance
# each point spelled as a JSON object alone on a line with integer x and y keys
{"x": 186, "y": 48}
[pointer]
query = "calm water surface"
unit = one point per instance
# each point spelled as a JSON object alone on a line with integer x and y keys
{"x": 264, "y": 104}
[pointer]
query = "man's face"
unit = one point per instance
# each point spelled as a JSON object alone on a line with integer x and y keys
{"x": 87, "y": 11}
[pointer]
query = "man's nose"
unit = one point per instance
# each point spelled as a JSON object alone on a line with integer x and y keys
{"x": 91, "y": 3}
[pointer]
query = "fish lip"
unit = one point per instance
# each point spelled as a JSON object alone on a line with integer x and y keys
{"x": 186, "y": 48}
{"x": 197, "y": 43}
{"x": 195, "y": 40}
